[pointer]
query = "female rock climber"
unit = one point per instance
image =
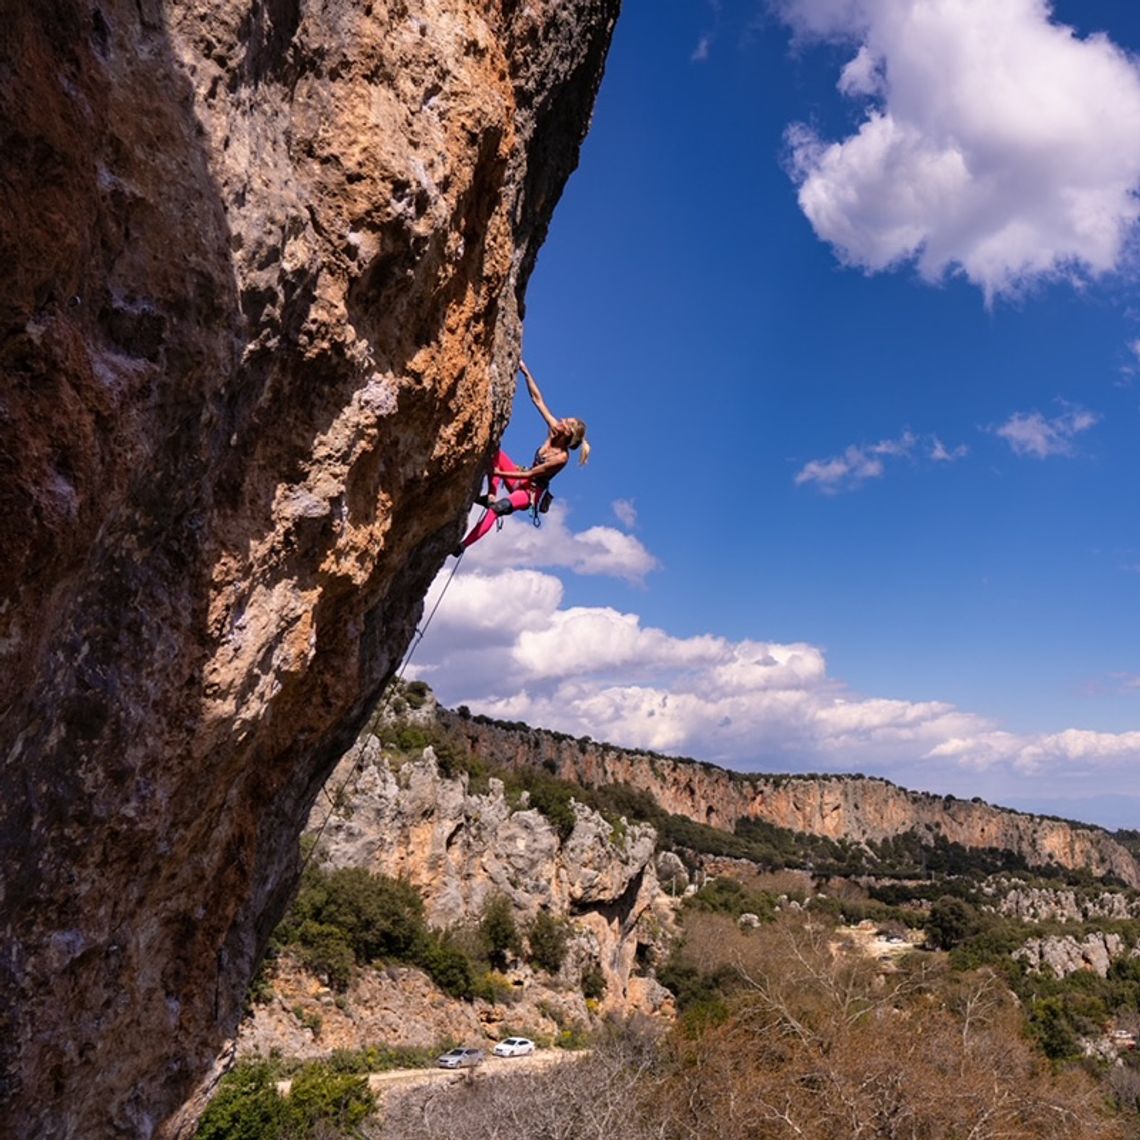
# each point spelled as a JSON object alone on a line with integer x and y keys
{"x": 527, "y": 486}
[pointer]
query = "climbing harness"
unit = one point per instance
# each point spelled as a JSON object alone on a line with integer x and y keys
{"x": 540, "y": 501}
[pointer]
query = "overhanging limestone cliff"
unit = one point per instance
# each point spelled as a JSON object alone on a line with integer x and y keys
{"x": 264, "y": 261}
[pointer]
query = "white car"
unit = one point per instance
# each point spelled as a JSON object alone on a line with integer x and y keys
{"x": 514, "y": 1047}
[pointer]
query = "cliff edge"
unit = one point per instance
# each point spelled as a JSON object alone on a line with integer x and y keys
{"x": 260, "y": 315}
{"x": 859, "y": 808}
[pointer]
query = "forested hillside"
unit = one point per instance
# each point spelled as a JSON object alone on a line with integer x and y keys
{"x": 835, "y": 986}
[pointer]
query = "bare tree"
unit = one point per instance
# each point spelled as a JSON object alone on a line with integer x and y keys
{"x": 599, "y": 1096}
{"x": 820, "y": 1044}
{"x": 816, "y": 1043}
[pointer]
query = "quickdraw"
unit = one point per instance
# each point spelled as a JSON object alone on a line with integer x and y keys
{"x": 539, "y": 505}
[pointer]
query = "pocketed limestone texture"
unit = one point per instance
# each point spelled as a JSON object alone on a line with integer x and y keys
{"x": 264, "y": 262}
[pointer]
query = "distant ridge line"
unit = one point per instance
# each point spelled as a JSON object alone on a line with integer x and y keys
{"x": 856, "y": 807}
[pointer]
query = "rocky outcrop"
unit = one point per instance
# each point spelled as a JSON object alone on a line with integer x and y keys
{"x": 396, "y": 1007}
{"x": 1065, "y": 954}
{"x": 852, "y": 807}
{"x": 264, "y": 262}
{"x": 461, "y": 848}
{"x": 1044, "y": 904}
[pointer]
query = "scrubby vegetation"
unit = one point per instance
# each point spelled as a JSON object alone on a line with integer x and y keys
{"x": 708, "y": 969}
{"x": 1061, "y": 1012}
{"x": 805, "y": 1043}
{"x": 547, "y": 938}
{"x": 349, "y": 917}
{"x": 322, "y": 1102}
{"x": 837, "y": 1048}
{"x": 500, "y": 932}
{"x": 723, "y": 974}
{"x": 783, "y": 1029}
{"x": 1130, "y": 838}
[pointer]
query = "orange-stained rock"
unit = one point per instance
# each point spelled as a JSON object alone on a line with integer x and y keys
{"x": 853, "y": 807}
{"x": 264, "y": 262}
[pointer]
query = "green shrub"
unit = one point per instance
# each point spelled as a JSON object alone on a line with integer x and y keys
{"x": 320, "y": 1095}
{"x": 499, "y": 931}
{"x": 1050, "y": 1026}
{"x": 546, "y": 938}
{"x": 381, "y": 1058}
{"x": 245, "y": 1107}
{"x": 950, "y": 922}
{"x": 497, "y": 988}
{"x": 692, "y": 987}
{"x": 552, "y": 798}
{"x": 416, "y": 693}
{"x": 327, "y": 952}
{"x": 723, "y": 895}
{"x": 411, "y": 739}
{"x": 572, "y": 1037}
{"x": 593, "y": 982}
{"x": 349, "y": 916}
{"x": 703, "y": 1014}
{"x": 450, "y": 967}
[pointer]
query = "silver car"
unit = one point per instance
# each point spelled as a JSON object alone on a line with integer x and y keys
{"x": 460, "y": 1059}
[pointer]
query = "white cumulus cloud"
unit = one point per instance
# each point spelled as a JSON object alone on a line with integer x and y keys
{"x": 995, "y": 142}
{"x": 940, "y": 453}
{"x": 1030, "y": 433}
{"x": 626, "y": 512}
{"x": 598, "y": 550}
{"x": 504, "y": 642}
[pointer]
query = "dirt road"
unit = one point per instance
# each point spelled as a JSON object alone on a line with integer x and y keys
{"x": 404, "y": 1079}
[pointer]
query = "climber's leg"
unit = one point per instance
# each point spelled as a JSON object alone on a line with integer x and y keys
{"x": 517, "y": 500}
{"x": 504, "y": 462}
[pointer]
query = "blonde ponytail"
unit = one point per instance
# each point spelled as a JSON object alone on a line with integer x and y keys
{"x": 578, "y": 440}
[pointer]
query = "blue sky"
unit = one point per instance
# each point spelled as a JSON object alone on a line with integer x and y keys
{"x": 846, "y": 292}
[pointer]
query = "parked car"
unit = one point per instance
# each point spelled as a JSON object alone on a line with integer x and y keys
{"x": 460, "y": 1058}
{"x": 514, "y": 1047}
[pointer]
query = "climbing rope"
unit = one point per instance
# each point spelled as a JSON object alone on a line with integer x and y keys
{"x": 421, "y": 632}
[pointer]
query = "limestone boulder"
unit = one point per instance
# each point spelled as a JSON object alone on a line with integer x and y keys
{"x": 1065, "y": 954}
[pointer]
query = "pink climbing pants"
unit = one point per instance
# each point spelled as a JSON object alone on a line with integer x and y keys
{"x": 519, "y": 491}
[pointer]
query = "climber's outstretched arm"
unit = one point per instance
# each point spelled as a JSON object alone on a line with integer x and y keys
{"x": 536, "y": 397}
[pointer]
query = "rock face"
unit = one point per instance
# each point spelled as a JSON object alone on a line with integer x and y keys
{"x": 460, "y": 849}
{"x": 854, "y": 807}
{"x": 1039, "y": 904}
{"x": 399, "y": 1007}
{"x": 1065, "y": 954}
{"x": 259, "y": 320}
